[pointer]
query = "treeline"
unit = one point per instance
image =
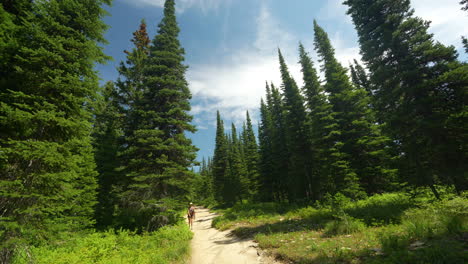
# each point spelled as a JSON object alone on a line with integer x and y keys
{"x": 74, "y": 155}
{"x": 400, "y": 120}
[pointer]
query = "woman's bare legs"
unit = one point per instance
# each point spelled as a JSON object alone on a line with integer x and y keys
{"x": 190, "y": 222}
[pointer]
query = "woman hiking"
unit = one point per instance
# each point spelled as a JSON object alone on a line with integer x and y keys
{"x": 191, "y": 215}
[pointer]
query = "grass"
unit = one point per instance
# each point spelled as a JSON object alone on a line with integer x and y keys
{"x": 387, "y": 228}
{"x": 169, "y": 244}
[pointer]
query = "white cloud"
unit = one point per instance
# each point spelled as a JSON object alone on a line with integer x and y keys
{"x": 334, "y": 10}
{"x": 237, "y": 82}
{"x": 448, "y": 20}
{"x": 181, "y": 5}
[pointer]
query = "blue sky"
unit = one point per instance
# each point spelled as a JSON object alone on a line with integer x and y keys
{"x": 231, "y": 46}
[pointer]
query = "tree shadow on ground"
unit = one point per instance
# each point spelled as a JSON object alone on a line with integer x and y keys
{"x": 371, "y": 214}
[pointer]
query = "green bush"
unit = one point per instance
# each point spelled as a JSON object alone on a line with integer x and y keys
{"x": 343, "y": 226}
{"x": 380, "y": 209}
{"x": 169, "y": 244}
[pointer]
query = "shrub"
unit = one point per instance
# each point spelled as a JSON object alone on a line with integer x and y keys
{"x": 344, "y": 225}
{"x": 169, "y": 244}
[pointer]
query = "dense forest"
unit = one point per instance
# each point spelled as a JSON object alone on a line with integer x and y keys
{"x": 397, "y": 122}
{"x": 75, "y": 155}
{"x": 78, "y": 156}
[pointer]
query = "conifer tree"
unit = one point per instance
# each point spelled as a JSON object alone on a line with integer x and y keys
{"x": 220, "y": 161}
{"x": 359, "y": 76}
{"x": 130, "y": 84}
{"x": 420, "y": 90}
{"x": 160, "y": 153}
{"x": 251, "y": 157}
{"x": 237, "y": 178}
{"x": 321, "y": 124}
{"x": 299, "y": 176}
{"x": 130, "y": 90}
{"x": 280, "y": 154}
{"x": 362, "y": 144}
{"x": 266, "y": 164}
{"x": 106, "y": 140}
{"x": 47, "y": 170}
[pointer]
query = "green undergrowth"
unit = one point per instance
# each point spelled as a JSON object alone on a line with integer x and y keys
{"x": 386, "y": 228}
{"x": 170, "y": 244}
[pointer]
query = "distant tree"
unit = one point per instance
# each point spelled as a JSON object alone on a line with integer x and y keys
{"x": 237, "y": 178}
{"x": 48, "y": 50}
{"x": 251, "y": 157}
{"x": 220, "y": 161}
{"x": 280, "y": 153}
{"x": 420, "y": 91}
{"x": 267, "y": 181}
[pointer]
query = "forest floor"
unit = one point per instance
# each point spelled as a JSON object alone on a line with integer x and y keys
{"x": 212, "y": 246}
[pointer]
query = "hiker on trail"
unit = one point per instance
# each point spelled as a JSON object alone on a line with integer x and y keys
{"x": 191, "y": 215}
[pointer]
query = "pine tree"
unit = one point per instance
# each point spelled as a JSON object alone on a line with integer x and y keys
{"x": 267, "y": 182}
{"x": 130, "y": 82}
{"x": 107, "y": 135}
{"x": 321, "y": 126}
{"x": 220, "y": 161}
{"x": 251, "y": 157}
{"x": 130, "y": 91}
{"x": 159, "y": 149}
{"x": 238, "y": 179}
{"x": 420, "y": 90}
{"x": 47, "y": 171}
{"x": 299, "y": 175}
{"x": 359, "y": 76}
{"x": 362, "y": 144}
{"x": 280, "y": 154}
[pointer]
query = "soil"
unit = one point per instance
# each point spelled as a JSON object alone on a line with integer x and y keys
{"x": 211, "y": 246}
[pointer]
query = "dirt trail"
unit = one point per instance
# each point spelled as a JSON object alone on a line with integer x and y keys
{"x": 211, "y": 246}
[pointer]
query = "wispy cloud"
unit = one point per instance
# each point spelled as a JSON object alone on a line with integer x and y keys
{"x": 237, "y": 82}
{"x": 181, "y": 5}
{"x": 447, "y": 20}
{"x": 334, "y": 10}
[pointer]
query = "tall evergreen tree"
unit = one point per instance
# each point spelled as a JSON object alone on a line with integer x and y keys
{"x": 362, "y": 144}
{"x": 280, "y": 154}
{"x": 251, "y": 157}
{"x": 299, "y": 175}
{"x": 220, "y": 161}
{"x": 237, "y": 178}
{"x": 420, "y": 90}
{"x": 47, "y": 83}
{"x": 130, "y": 90}
{"x": 265, "y": 138}
{"x": 107, "y": 132}
{"x": 321, "y": 125}
{"x": 159, "y": 149}
{"x": 130, "y": 85}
